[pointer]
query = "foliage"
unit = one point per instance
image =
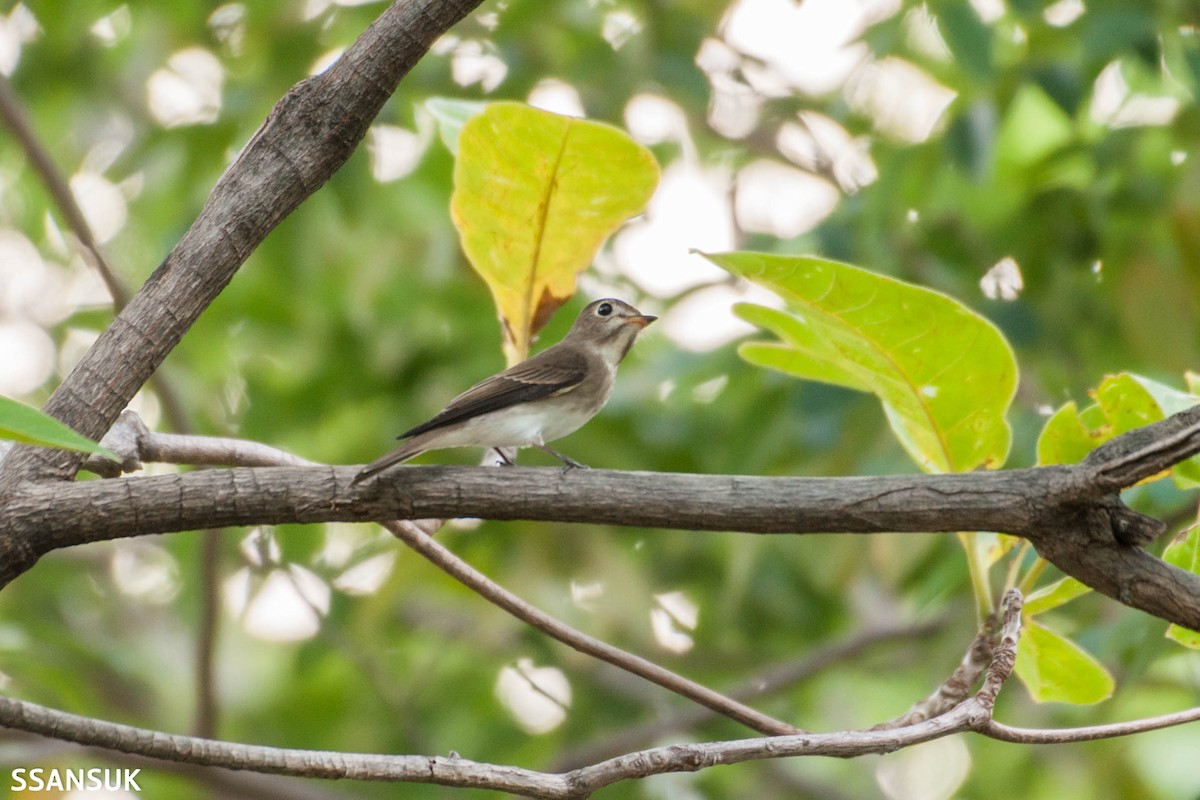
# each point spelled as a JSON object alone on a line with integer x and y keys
{"x": 20, "y": 423}
{"x": 535, "y": 195}
{"x": 360, "y": 316}
{"x": 944, "y": 374}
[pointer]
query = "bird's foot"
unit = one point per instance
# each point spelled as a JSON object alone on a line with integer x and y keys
{"x": 568, "y": 462}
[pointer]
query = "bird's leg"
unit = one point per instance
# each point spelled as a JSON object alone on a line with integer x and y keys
{"x": 568, "y": 462}
{"x": 504, "y": 461}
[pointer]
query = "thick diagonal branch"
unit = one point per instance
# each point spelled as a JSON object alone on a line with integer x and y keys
{"x": 307, "y": 136}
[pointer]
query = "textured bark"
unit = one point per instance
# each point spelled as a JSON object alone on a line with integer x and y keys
{"x": 1091, "y": 536}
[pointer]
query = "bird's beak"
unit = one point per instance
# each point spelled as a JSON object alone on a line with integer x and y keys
{"x": 640, "y": 320}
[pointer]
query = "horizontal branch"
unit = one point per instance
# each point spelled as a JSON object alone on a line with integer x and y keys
{"x": 63, "y": 514}
{"x": 1089, "y": 539}
{"x": 462, "y": 772}
{"x": 1065, "y": 511}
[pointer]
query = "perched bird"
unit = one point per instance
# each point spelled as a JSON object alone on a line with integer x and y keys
{"x": 539, "y": 400}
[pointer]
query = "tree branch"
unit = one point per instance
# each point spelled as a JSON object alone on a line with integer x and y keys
{"x": 771, "y": 680}
{"x": 974, "y": 714}
{"x": 13, "y": 115}
{"x": 1055, "y": 507}
{"x": 461, "y": 772}
{"x": 496, "y": 594}
{"x": 1088, "y": 733}
{"x": 957, "y": 687}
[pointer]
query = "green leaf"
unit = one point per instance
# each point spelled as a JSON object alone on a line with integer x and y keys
{"x": 944, "y": 374}
{"x": 1184, "y": 636}
{"x": 1065, "y": 439}
{"x": 451, "y": 115}
{"x": 967, "y": 36}
{"x": 1184, "y": 552}
{"x": 535, "y": 195}
{"x": 1056, "y": 670}
{"x": 1053, "y": 596}
{"x": 1123, "y": 402}
{"x": 1034, "y": 128}
{"x": 20, "y": 423}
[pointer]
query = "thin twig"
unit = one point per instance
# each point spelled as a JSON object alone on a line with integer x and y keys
{"x": 955, "y": 689}
{"x": 1088, "y": 733}
{"x": 768, "y": 682}
{"x": 14, "y": 117}
{"x": 462, "y": 772}
{"x": 26, "y": 748}
{"x": 496, "y": 594}
{"x": 1004, "y": 649}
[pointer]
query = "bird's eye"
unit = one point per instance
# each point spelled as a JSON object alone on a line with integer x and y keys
{"x": 604, "y": 309}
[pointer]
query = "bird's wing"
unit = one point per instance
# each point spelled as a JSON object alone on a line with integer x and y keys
{"x": 534, "y": 379}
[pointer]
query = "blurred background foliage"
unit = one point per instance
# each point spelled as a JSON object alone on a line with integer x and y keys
{"x": 1022, "y": 150}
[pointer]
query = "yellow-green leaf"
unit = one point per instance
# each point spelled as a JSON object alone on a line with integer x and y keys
{"x": 1053, "y": 596}
{"x": 20, "y": 423}
{"x": 535, "y": 195}
{"x": 1065, "y": 439}
{"x": 1184, "y": 552}
{"x": 1056, "y": 670}
{"x": 944, "y": 374}
{"x": 1123, "y": 402}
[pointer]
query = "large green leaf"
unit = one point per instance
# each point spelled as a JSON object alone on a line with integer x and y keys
{"x": 1184, "y": 552}
{"x": 1055, "y": 669}
{"x": 21, "y": 423}
{"x": 945, "y": 375}
{"x": 1123, "y": 402}
{"x": 535, "y": 195}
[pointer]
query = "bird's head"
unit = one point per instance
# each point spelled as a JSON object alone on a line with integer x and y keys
{"x": 610, "y": 325}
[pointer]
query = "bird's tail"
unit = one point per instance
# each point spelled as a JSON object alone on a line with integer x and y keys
{"x": 410, "y": 449}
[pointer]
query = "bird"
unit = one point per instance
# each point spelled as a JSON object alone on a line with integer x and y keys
{"x": 541, "y": 399}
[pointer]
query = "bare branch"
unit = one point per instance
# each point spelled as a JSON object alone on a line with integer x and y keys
{"x": 1089, "y": 733}
{"x": 1087, "y": 539}
{"x": 24, "y": 748}
{"x": 770, "y": 681}
{"x": 461, "y": 772}
{"x": 956, "y": 688}
{"x": 1146, "y": 451}
{"x": 1004, "y": 654}
{"x": 17, "y": 121}
{"x": 974, "y": 714}
{"x": 136, "y": 444}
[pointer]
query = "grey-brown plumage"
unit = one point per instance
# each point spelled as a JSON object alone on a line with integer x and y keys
{"x": 539, "y": 400}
